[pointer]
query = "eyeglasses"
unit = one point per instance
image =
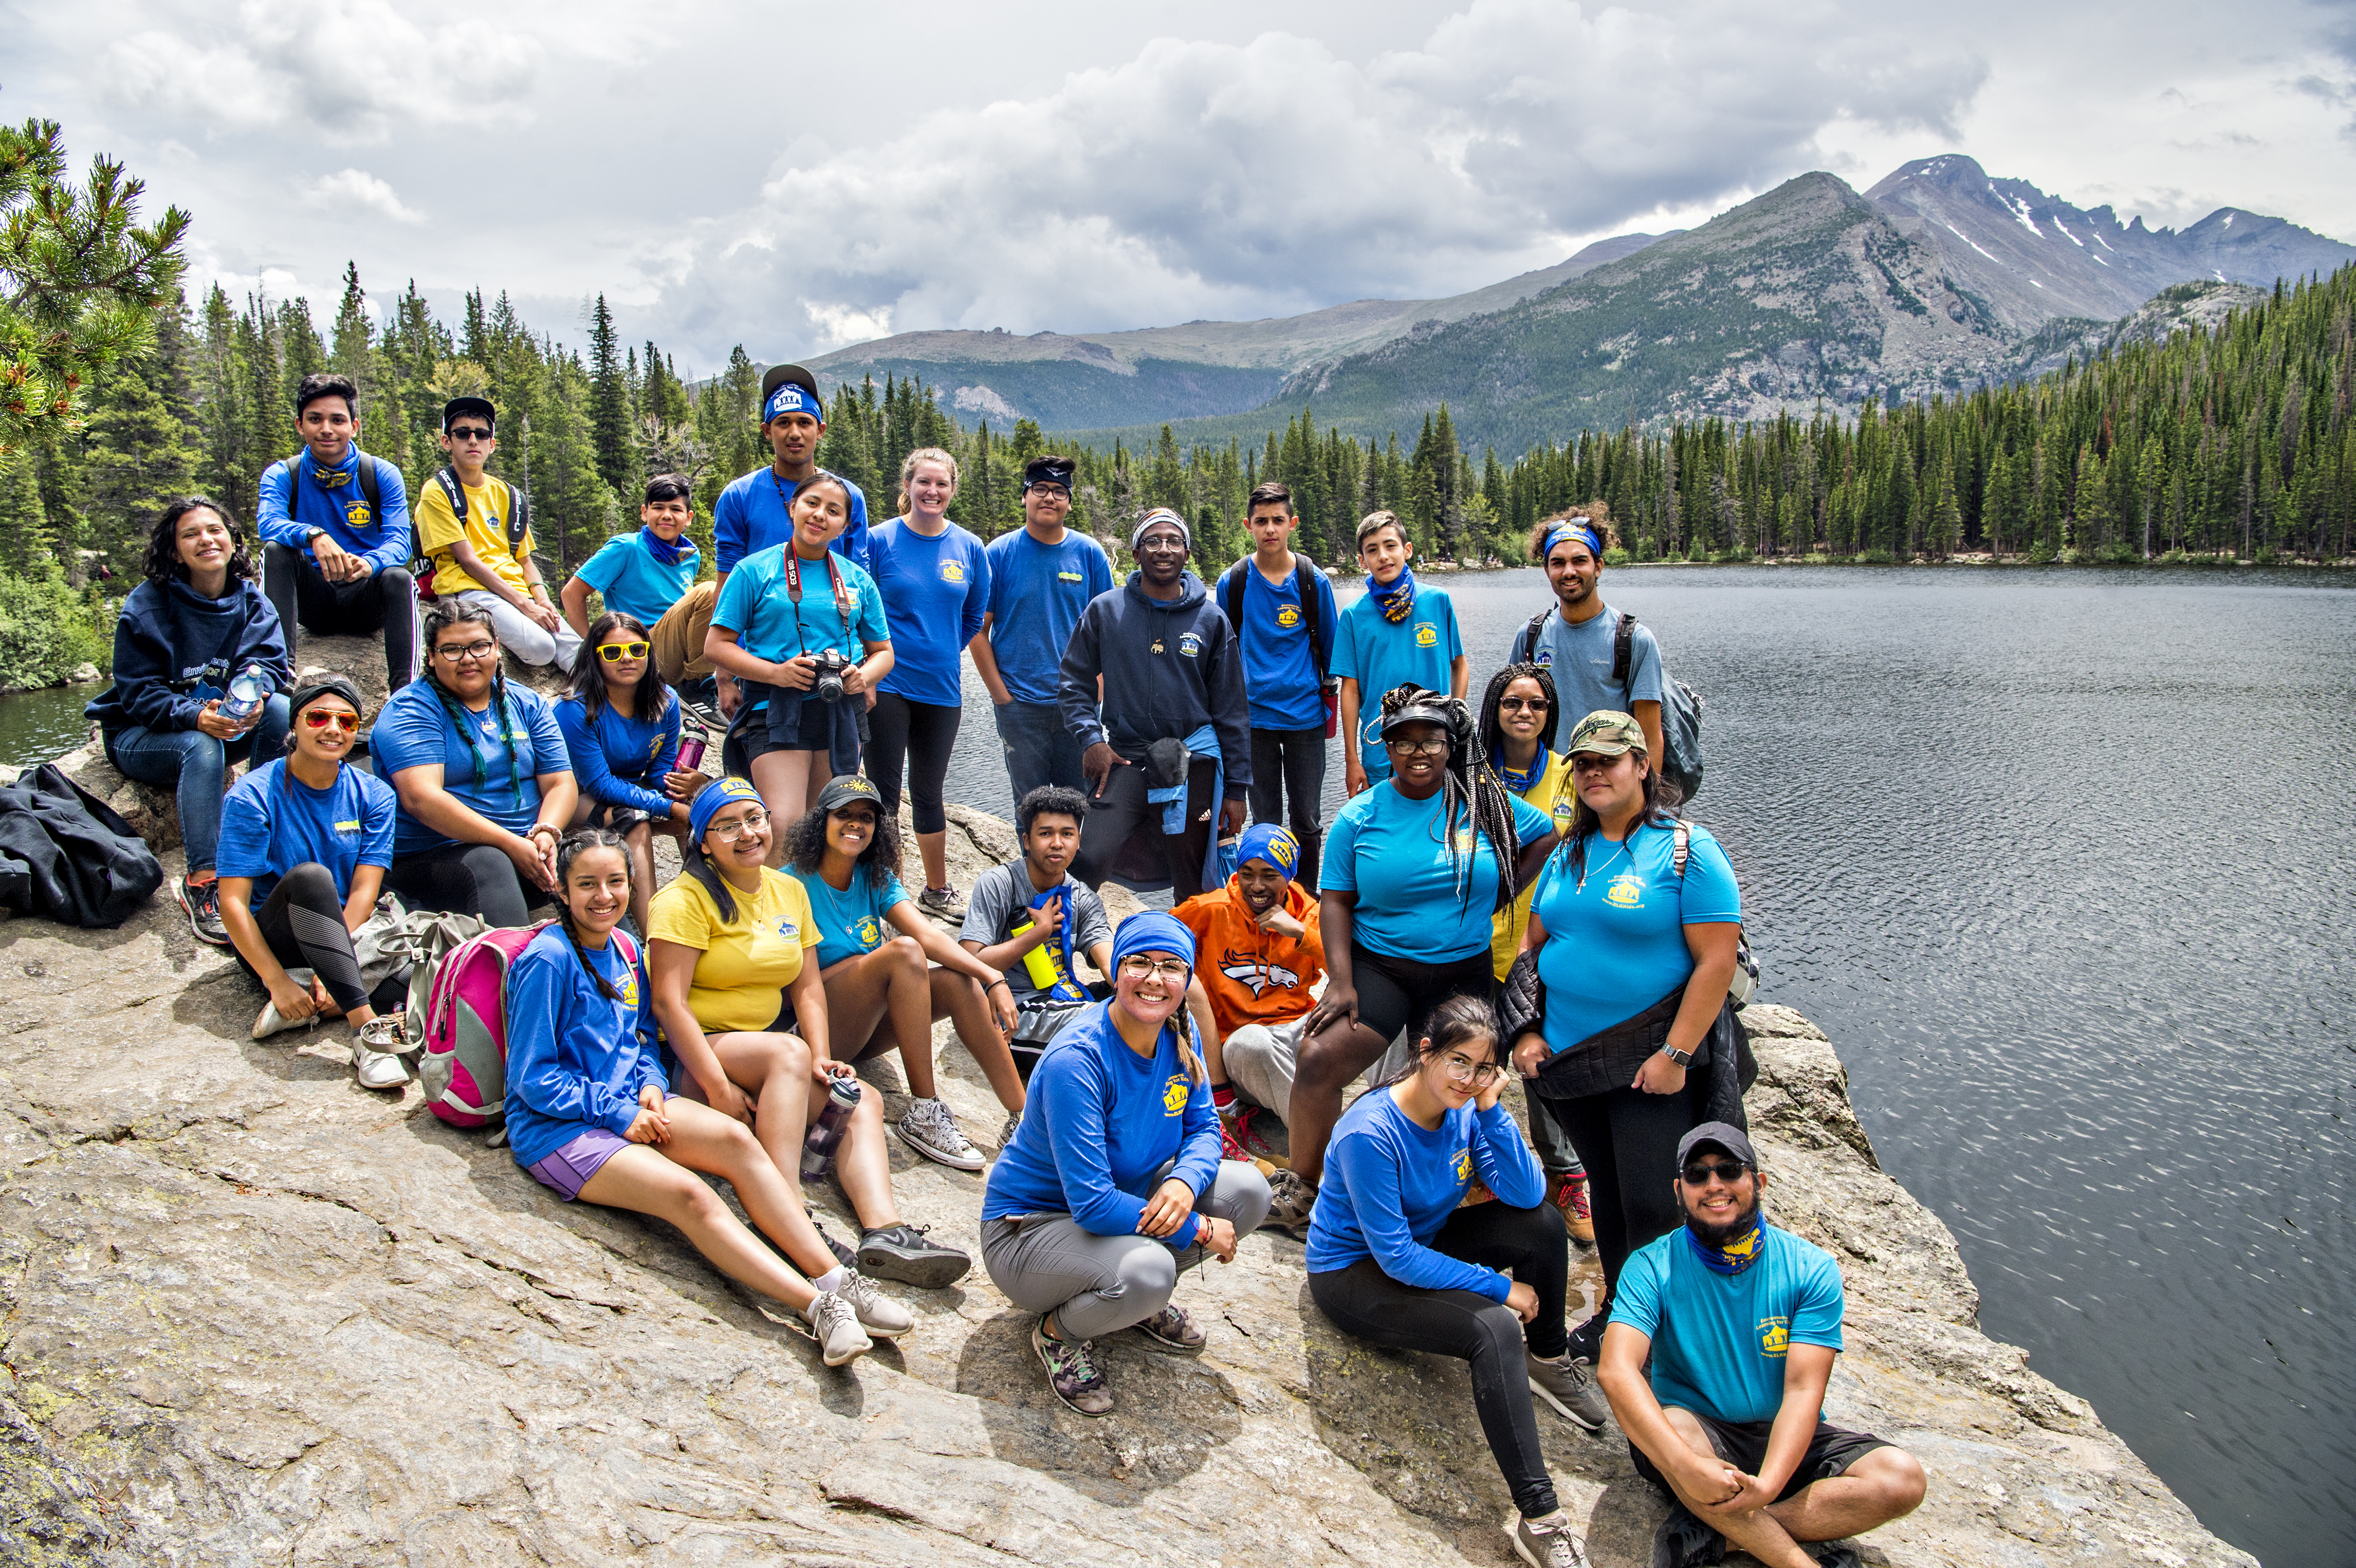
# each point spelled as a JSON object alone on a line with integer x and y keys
{"x": 1523, "y": 705}
{"x": 1049, "y": 492}
{"x": 320, "y": 718}
{"x": 1137, "y": 966}
{"x": 1461, "y": 1070}
{"x": 469, "y": 433}
{"x": 1726, "y": 1170}
{"x": 454, "y": 654}
{"x": 752, "y": 821}
{"x": 1162, "y": 542}
{"x": 615, "y": 653}
{"x": 1418, "y": 748}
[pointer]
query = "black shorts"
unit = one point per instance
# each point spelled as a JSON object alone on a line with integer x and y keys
{"x": 813, "y": 730}
{"x": 1743, "y": 1443}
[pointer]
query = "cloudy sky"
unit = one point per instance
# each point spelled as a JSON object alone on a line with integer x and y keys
{"x": 829, "y": 174}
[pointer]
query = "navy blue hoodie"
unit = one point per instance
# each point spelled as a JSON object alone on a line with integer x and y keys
{"x": 1168, "y": 668}
{"x": 175, "y": 650}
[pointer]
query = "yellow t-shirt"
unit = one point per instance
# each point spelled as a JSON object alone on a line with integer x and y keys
{"x": 1552, "y": 794}
{"x": 747, "y": 962}
{"x": 486, "y": 529}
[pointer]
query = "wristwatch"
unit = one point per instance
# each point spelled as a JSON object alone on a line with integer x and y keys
{"x": 1682, "y": 1058}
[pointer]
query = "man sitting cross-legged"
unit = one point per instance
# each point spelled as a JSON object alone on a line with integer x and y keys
{"x": 1741, "y": 1321}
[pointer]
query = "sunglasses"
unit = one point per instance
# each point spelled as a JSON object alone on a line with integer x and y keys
{"x": 1523, "y": 704}
{"x": 615, "y": 653}
{"x": 1726, "y": 1170}
{"x": 320, "y": 718}
{"x": 469, "y": 433}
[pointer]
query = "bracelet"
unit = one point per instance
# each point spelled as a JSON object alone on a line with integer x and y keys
{"x": 1000, "y": 981}
{"x": 543, "y": 828}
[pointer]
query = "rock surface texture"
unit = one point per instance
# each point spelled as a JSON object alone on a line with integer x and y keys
{"x": 256, "y": 1315}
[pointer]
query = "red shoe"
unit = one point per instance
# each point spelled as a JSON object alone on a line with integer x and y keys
{"x": 1569, "y": 1195}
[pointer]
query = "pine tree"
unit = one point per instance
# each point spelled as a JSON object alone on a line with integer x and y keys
{"x": 138, "y": 458}
{"x": 610, "y": 419}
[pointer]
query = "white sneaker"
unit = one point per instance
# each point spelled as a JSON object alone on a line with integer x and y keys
{"x": 376, "y": 1053}
{"x": 836, "y": 1324}
{"x": 877, "y": 1313}
{"x": 271, "y": 1021}
{"x": 932, "y": 1131}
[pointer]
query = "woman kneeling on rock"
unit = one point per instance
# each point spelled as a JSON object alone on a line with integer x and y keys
{"x": 1091, "y": 1211}
{"x": 589, "y": 1116}
{"x": 311, "y": 838}
{"x": 1393, "y": 1259}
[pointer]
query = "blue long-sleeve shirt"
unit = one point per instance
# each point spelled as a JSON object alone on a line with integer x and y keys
{"x": 751, "y": 515}
{"x": 619, "y": 760}
{"x": 1390, "y": 1185}
{"x": 576, "y": 1057}
{"x": 1101, "y": 1121}
{"x": 175, "y": 650}
{"x": 381, "y": 541}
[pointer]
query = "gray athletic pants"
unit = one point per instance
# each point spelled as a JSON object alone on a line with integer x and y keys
{"x": 1261, "y": 1061}
{"x": 1097, "y": 1285}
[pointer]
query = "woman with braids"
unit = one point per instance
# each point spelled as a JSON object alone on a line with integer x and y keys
{"x": 1636, "y": 953}
{"x": 1396, "y": 1259}
{"x": 589, "y": 1114}
{"x": 1415, "y": 868}
{"x": 621, "y": 732}
{"x": 485, "y": 782}
{"x": 185, "y": 634}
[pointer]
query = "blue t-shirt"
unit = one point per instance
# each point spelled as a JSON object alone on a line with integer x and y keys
{"x": 1379, "y": 655}
{"x": 754, "y": 605}
{"x": 1037, "y": 594}
{"x": 1618, "y": 945}
{"x": 851, "y": 921}
{"x": 1719, "y": 1339}
{"x": 1279, "y": 665}
{"x": 414, "y": 731}
{"x": 619, "y": 760}
{"x": 633, "y": 582}
{"x": 1579, "y": 660}
{"x": 1391, "y": 1184}
{"x": 1386, "y": 848}
{"x": 576, "y": 1057}
{"x": 272, "y": 822}
{"x": 1101, "y": 1120}
{"x": 752, "y": 514}
{"x": 939, "y": 587}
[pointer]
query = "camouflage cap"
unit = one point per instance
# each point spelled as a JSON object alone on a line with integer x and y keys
{"x": 1607, "y": 733}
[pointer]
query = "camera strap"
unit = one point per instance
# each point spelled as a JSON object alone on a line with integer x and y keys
{"x": 794, "y": 593}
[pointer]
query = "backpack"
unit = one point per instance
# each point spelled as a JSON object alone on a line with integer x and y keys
{"x": 464, "y": 1069}
{"x": 1681, "y": 705}
{"x": 420, "y": 565}
{"x": 1305, "y": 577}
{"x": 1745, "y": 984}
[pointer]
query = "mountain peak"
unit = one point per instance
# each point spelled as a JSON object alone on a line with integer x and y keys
{"x": 1953, "y": 171}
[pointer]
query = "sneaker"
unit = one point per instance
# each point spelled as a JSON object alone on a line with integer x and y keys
{"x": 1683, "y": 1541}
{"x": 271, "y": 1020}
{"x": 1260, "y": 1134}
{"x": 1171, "y": 1330}
{"x": 1072, "y": 1372}
{"x": 376, "y": 1053}
{"x": 836, "y": 1324}
{"x": 1587, "y": 1340}
{"x": 1293, "y": 1200}
{"x": 901, "y": 1253}
{"x": 1830, "y": 1554}
{"x": 1568, "y": 1192}
{"x": 947, "y": 902}
{"x": 1549, "y": 1543}
{"x": 1006, "y": 1129}
{"x": 878, "y": 1313}
{"x": 200, "y": 901}
{"x": 843, "y": 1254}
{"x": 1567, "y": 1385}
{"x": 931, "y": 1131}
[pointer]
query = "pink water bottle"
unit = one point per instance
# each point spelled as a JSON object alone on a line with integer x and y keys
{"x": 827, "y": 1129}
{"x": 691, "y": 742}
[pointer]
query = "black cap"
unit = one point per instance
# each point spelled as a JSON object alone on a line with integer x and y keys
{"x": 482, "y": 406}
{"x": 1423, "y": 708}
{"x": 777, "y": 376}
{"x": 1717, "y": 1135}
{"x": 844, "y": 788}
{"x": 1048, "y": 470}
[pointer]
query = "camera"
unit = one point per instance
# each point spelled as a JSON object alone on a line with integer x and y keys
{"x": 828, "y": 686}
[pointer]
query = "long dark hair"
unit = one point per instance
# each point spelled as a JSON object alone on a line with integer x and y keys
{"x": 441, "y": 616}
{"x": 805, "y": 845}
{"x": 569, "y": 848}
{"x": 588, "y": 682}
{"x": 1659, "y": 810}
{"x": 163, "y": 562}
{"x": 1457, "y": 1020}
{"x": 1492, "y": 733}
{"x": 1470, "y": 787}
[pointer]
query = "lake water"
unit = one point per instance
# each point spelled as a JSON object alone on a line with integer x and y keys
{"x": 2061, "y": 861}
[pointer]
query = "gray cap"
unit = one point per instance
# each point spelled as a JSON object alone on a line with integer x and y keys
{"x": 1719, "y": 1135}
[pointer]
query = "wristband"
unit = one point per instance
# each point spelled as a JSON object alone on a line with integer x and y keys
{"x": 543, "y": 828}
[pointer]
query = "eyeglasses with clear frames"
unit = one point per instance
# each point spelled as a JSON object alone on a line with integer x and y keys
{"x": 1462, "y": 1069}
{"x": 1137, "y": 966}
{"x": 752, "y": 821}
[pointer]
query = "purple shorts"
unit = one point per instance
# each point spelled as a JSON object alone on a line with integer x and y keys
{"x": 564, "y": 1171}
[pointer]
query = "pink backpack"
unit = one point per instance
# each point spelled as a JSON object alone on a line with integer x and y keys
{"x": 464, "y": 1069}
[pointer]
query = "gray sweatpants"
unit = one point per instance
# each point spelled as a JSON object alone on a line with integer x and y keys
{"x": 1097, "y": 1285}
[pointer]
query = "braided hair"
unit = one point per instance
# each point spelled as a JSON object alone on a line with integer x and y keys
{"x": 1492, "y": 734}
{"x": 1470, "y": 787}
{"x": 571, "y": 847}
{"x": 442, "y": 614}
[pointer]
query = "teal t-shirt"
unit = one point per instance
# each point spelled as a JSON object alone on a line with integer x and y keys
{"x": 1418, "y": 899}
{"x": 1617, "y": 944}
{"x": 1379, "y": 655}
{"x": 755, "y": 605}
{"x": 1719, "y": 1340}
{"x": 851, "y": 921}
{"x": 633, "y": 582}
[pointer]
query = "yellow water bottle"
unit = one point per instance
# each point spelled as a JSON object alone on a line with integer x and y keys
{"x": 1036, "y": 963}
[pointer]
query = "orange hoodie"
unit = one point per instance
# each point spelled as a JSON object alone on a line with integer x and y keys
{"x": 1253, "y": 976}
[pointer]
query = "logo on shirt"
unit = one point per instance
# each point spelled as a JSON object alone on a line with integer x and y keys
{"x": 1542, "y": 657}
{"x": 654, "y": 748}
{"x": 1627, "y": 891}
{"x": 348, "y": 827}
{"x": 1774, "y": 1337}
{"x": 1190, "y": 646}
{"x": 356, "y": 515}
{"x": 1175, "y": 1093}
{"x": 1289, "y": 617}
{"x": 868, "y": 932}
{"x": 952, "y": 572}
{"x": 1426, "y": 634}
{"x": 629, "y": 988}
{"x": 789, "y": 929}
{"x": 1464, "y": 1164}
{"x": 1256, "y": 975}
{"x": 1071, "y": 577}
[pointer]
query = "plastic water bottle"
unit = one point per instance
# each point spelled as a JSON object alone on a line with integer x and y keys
{"x": 691, "y": 742}
{"x": 249, "y": 688}
{"x": 827, "y": 1129}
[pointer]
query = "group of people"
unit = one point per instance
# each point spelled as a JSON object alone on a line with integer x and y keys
{"x": 1519, "y": 860}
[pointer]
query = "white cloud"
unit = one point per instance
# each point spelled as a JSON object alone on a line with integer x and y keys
{"x": 837, "y": 325}
{"x": 357, "y": 189}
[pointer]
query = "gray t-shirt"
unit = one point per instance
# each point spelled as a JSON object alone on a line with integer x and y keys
{"x": 1000, "y": 901}
{"x": 1579, "y": 660}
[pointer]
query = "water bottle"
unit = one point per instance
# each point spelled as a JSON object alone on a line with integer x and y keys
{"x": 1042, "y": 970}
{"x": 248, "y": 690}
{"x": 691, "y": 742}
{"x": 827, "y": 1129}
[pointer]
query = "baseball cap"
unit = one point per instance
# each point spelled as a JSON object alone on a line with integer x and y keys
{"x": 1606, "y": 733}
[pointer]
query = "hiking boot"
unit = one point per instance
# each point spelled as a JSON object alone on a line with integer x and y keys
{"x": 878, "y": 1313}
{"x": 377, "y": 1046}
{"x": 1683, "y": 1541}
{"x": 947, "y": 902}
{"x": 901, "y": 1253}
{"x": 836, "y": 1324}
{"x": 1549, "y": 1543}
{"x": 270, "y": 1021}
{"x": 843, "y": 1254}
{"x": 1171, "y": 1330}
{"x": 1587, "y": 1340}
{"x": 931, "y": 1131}
{"x": 1567, "y": 1385}
{"x": 1260, "y": 1134}
{"x": 200, "y": 901}
{"x": 1568, "y": 1192}
{"x": 1290, "y": 1210}
{"x": 1072, "y": 1372}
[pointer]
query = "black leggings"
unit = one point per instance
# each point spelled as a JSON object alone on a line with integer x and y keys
{"x": 1288, "y": 768}
{"x": 1364, "y": 1301}
{"x": 302, "y": 922}
{"x": 923, "y": 734}
{"x": 464, "y": 879}
{"x": 1628, "y": 1141}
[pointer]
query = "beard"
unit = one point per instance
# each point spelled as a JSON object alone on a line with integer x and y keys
{"x": 1718, "y": 1236}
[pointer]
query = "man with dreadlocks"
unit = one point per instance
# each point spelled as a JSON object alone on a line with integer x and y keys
{"x": 1415, "y": 868}
{"x": 485, "y": 782}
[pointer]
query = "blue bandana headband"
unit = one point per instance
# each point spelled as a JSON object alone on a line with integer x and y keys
{"x": 792, "y": 397}
{"x": 1265, "y": 841}
{"x": 1152, "y": 931}
{"x": 1577, "y": 530}
{"x": 714, "y": 795}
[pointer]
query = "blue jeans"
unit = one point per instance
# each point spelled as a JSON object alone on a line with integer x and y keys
{"x": 198, "y": 766}
{"x": 1040, "y": 749}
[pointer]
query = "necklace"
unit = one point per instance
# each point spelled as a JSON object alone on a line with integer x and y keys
{"x": 1587, "y": 871}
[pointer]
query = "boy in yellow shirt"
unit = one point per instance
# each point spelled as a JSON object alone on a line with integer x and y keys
{"x": 477, "y": 532}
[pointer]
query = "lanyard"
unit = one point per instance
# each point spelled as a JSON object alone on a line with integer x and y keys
{"x": 842, "y": 606}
